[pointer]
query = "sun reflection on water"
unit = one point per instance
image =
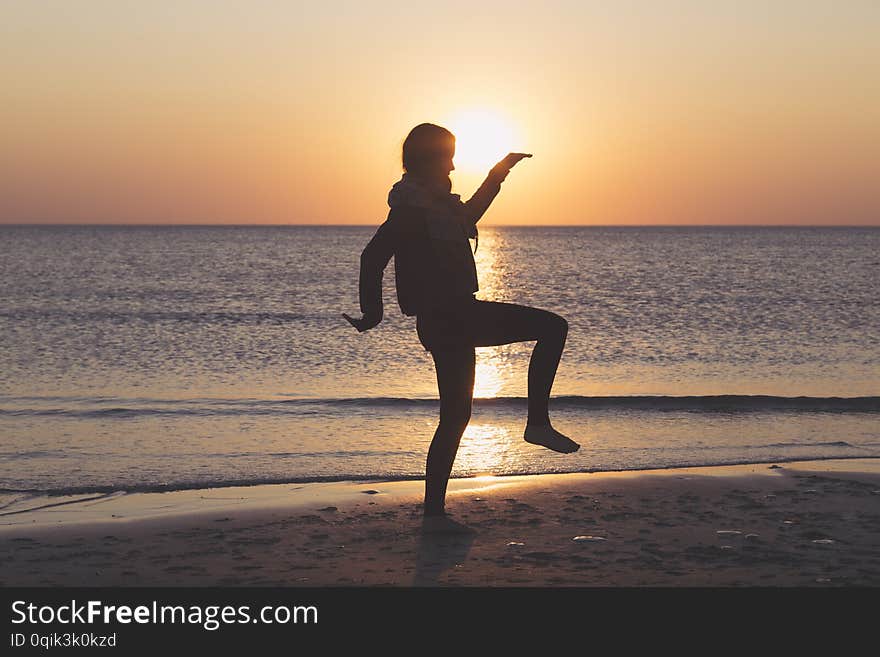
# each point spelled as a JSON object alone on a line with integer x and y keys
{"x": 489, "y": 376}
{"x": 484, "y": 448}
{"x": 492, "y": 368}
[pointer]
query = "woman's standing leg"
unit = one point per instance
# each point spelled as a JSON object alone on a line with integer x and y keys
{"x": 455, "y": 380}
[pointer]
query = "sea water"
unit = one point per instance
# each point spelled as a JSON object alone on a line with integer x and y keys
{"x": 163, "y": 357}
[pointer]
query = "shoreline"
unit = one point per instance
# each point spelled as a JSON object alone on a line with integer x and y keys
{"x": 798, "y": 523}
{"x": 112, "y": 506}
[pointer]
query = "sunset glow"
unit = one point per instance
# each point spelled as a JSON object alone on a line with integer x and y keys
{"x": 292, "y": 113}
{"x": 482, "y": 138}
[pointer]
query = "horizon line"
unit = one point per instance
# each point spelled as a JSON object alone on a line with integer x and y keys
{"x": 339, "y": 225}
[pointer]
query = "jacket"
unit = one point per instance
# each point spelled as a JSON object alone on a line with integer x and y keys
{"x": 427, "y": 233}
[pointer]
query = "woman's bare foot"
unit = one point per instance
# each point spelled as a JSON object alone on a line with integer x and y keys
{"x": 546, "y": 436}
{"x": 443, "y": 524}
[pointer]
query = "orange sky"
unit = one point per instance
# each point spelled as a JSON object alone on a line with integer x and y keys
{"x": 257, "y": 112}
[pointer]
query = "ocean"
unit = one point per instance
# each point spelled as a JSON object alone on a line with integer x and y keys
{"x": 168, "y": 357}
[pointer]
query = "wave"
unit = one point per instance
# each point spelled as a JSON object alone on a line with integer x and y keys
{"x": 113, "y": 407}
{"x": 641, "y": 402}
{"x": 830, "y": 443}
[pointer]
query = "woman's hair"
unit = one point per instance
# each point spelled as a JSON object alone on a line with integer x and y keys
{"x": 423, "y": 144}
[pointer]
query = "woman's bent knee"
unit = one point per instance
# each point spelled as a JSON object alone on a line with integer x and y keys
{"x": 556, "y": 325}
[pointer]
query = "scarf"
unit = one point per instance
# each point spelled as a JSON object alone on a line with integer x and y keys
{"x": 438, "y": 199}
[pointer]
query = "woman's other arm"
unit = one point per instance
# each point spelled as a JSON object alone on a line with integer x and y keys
{"x": 374, "y": 259}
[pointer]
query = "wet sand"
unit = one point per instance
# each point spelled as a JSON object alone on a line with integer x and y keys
{"x": 801, "y": 524}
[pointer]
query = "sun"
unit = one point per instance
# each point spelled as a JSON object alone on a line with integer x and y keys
{"x": 482, "y": 138}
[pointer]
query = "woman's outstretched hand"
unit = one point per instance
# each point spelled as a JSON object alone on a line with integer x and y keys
{"x": 363, "y": 323}
{"x": 512, "y": 158}
{"x": 504, "y": 166}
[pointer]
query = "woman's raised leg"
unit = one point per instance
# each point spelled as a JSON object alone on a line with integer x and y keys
{"x": 496, "y": 323}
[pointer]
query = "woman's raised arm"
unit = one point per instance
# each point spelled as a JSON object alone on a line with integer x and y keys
{"x": 481, "y": 200}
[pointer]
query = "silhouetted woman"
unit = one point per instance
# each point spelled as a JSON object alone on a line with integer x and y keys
{"x": 427, "y": 232}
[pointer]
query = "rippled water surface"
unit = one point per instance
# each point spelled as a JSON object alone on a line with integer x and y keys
{"x": 139, "y": 357}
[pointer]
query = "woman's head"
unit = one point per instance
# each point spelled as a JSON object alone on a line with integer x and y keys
{"x": 428, "y": 151}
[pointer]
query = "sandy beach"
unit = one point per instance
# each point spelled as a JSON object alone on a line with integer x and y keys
{"x": 793, "y": 524}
